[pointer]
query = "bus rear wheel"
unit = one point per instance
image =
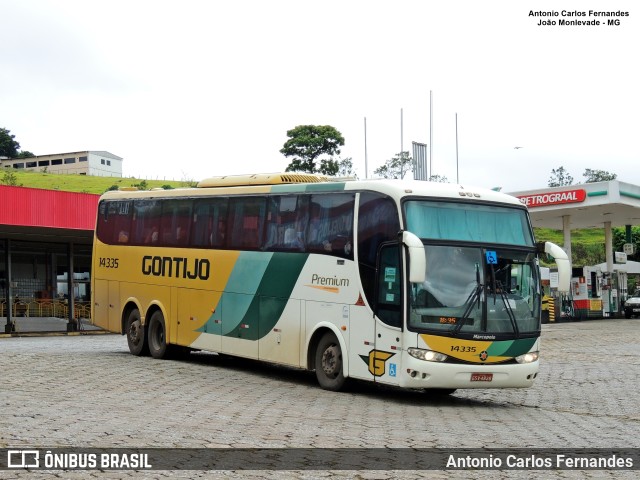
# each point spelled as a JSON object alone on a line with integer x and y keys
{"x": 136, "y": 334}
{"x": 157, "y": 335}
{"x": 329, "y": 363}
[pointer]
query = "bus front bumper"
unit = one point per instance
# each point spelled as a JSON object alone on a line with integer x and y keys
{"x": 422, "y": 374}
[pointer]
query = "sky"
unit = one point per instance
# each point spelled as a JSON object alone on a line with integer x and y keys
{"x": 199, "y": 88}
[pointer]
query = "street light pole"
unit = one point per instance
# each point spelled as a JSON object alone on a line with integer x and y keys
{"x": 457, "y": 172}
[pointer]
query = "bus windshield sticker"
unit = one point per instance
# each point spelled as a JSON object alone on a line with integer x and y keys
{"x": 492, "y": 257}
{"x": 389, "y": 274}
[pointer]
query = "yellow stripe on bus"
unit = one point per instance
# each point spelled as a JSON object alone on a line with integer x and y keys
{"x": 467, "y": 350}
{"x": 325, "y": 289}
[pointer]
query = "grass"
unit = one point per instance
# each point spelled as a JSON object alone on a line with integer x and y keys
{"x": 587, "y": 245}
{"x": 82, "y": 183}
{"x": 589, "y": 236}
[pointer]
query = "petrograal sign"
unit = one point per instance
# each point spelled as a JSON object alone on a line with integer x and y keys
{"x": 553, "y": 198}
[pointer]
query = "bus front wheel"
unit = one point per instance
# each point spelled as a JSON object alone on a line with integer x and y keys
{"x": 136, "y": 337}
{"x": 157, "y": 335}
{"x": 329, "y": 363}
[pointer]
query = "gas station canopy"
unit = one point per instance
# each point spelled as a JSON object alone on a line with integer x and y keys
{"x": 589, "y": 205}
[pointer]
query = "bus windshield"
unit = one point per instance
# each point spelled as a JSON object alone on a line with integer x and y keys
{"x": 477, "y": 290}
{"x": 460, "y": 221}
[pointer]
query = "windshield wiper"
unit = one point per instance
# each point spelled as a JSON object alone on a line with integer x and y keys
{"x": 509, "y": 310}
{"x": 471, "y": 299}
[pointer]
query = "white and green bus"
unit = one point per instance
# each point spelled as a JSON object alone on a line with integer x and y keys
{"x": 407, "y": 283}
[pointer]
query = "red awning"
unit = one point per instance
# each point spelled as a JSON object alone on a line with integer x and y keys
{"x": 34, "y": 207}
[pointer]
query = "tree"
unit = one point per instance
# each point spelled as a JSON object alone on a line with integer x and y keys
{"x": 396, "y": 167}
{"x": 560, "y": 178}
{"x": 307, "y": 143}
{"x": 8, "y": 146}
{"x": 328, "y": 167}
{"x": 592, "y": 176}
{"x": 345, "y": 168}
{"x": 10, "y": 178}
{"x": 25, "y": 154}
{"x": 438, "y": 178}
{"x": 143, "y": 185}
{"x": 620, "y": 238}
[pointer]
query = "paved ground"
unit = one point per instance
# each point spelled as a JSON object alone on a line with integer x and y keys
{"x": 88, "y": 391}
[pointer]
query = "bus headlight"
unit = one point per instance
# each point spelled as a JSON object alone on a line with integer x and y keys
{"x": 426, "y": 355}
{"x": 528, "y": 357}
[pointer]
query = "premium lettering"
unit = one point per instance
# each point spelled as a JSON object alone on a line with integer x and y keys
{"x": 329, "y": 281}
{"x": 176, "y": 267}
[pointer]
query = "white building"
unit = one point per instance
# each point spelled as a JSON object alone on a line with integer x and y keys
{"x": 96, "y": 163}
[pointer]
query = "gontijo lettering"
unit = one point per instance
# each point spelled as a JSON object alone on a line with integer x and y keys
{"x": 178, "y": 267}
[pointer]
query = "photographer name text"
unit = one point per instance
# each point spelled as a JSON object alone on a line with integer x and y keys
{"x": 581, "y": 18}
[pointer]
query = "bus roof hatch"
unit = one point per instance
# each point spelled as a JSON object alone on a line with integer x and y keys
{"x": 261, "y": 179}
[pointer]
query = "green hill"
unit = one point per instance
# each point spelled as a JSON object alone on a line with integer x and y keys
{"x": 587, "y": 246}
{"x": 589, "y": 236}
{"x": 82, "y": 183}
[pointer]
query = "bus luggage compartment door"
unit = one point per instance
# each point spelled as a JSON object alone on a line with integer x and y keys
{"x": 280, "y": 335}
{"x": 199, "y": 319}
{"x": 107, "y": 305}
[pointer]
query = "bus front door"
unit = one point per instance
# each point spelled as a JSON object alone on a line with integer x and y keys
{"x": 384, "y": 360}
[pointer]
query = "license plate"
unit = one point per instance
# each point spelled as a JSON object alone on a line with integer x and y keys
{"x": 481, "y": 377}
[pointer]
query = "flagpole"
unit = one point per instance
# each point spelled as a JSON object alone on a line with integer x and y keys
{"x": 401, "y": 133}
{"x": 430, "y": 172}
{"x": 457, "y": 172}
{"x": 366, "y": 168}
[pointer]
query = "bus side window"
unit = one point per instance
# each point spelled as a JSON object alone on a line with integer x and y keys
{"x": 114, "y": 225}
{"x": 202, "y": 227}
{"x": 104, "y": 226}
{"x": 330, "y": 228}
{"x": 286, "y": 223}
{"x": 246, "y": 222}
{"x": 176, "y": 216}
{"x": 146, "y": 222}
{"x": 389, "y": 301}
{"x": 209, "y": 228}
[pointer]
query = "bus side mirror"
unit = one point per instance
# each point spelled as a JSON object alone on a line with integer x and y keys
{"x": 562, "y": 261}
{"x": 417, "y": 257}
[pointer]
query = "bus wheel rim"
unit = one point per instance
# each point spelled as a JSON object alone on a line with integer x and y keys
{"x": 330, "y": 361}
{"x": 135, "y": 332}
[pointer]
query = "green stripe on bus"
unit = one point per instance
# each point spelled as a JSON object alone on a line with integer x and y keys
{"x": 511, "y": 348}
{"x": 271, "y": 296}
{"x": 289, "y": 188}
{"x": 309, "y": 187}
{"x": 325, "y": 187}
